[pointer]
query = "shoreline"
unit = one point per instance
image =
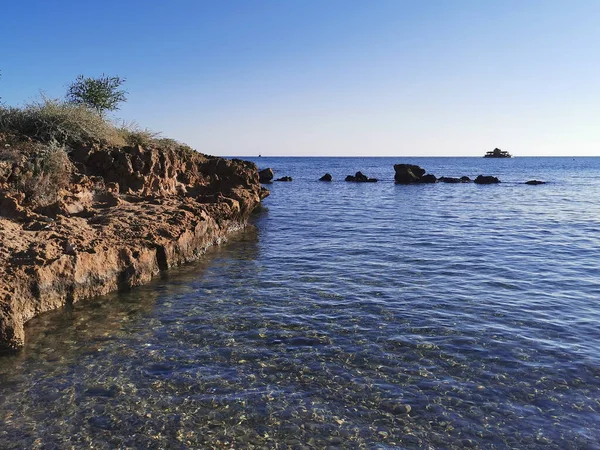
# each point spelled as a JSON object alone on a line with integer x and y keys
{"x": 128, "y": 215}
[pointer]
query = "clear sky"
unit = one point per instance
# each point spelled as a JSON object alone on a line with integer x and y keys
{"x": 326, "y": 77}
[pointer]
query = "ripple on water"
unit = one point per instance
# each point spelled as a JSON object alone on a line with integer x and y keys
{"x": 375, "y": 316}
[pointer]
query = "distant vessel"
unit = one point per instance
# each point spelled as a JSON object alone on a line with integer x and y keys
{"x": 497, "y": 153}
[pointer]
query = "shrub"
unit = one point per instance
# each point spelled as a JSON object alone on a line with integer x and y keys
{"x": 133, "y": 134}
{"x": 51, "y": 120}
{"x": 101, "y": 94}
{"x": 43, "y": 171}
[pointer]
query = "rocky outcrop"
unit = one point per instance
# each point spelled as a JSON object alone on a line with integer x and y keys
{"x": 266, "y": 175}
{"x": 454, "y": 180}
{"x": 124, "y": 216}
{"x": 359, "y": 177}
{"x": 284, "y": 179}
{"x": 535, "y": 182}
{"x": 410, "y": 173}
{"x": 428, "y": 178}
{"x": 326, "y": 177}
{"x": 486, "y": 179}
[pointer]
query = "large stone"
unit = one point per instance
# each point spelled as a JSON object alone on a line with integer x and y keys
{"x": 408, "y": 173}
{"x": 266, "y": 175}
{"x": 284, "y": 179}
{"x": 486, "y": 179}
{"x": 535, "y": 182}
{"x": 326, "y": 177}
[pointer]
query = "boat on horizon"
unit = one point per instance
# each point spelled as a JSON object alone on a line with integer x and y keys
{"x": 497, "y": 153}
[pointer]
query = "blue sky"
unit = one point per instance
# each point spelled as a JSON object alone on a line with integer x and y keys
{"x": 326, "y": 77}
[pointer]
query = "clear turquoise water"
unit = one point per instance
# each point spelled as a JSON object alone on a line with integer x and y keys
{"x": 352, "y": 316}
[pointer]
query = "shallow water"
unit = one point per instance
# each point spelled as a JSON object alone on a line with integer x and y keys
{"x": 353, "y": 315}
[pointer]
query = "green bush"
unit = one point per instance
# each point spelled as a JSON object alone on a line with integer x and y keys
{"x": 101, "y": 94}
{"x": 51, "y": 120}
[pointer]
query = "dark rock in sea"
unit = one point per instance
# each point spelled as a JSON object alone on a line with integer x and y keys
{"x": 359, "y": 177}
{"x": 284, "y": 179}
{"x": 534, "y": 182}
{"x": 429, "y": 178}
{"x": 486, "y": 179}
{"x": 449, "y": 180}
{"x": 266, "y": 175}
{"x": 326, "y": 177}
{"x": 465, "y": 179}
{"x": 408, "y": 173}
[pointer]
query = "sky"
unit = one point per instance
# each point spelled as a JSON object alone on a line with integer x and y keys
{"x": 325, "y": 77}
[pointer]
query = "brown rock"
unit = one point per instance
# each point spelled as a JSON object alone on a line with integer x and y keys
{"x": 127, "y": 215}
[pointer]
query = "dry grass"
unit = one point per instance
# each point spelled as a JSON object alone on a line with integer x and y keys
{"x": 43, "y": 170}
{"x": 50, "y": 120}
{"x": 133, "y": 134}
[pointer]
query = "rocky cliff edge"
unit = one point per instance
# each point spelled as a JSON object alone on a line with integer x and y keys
{"x": 80, "y": 222}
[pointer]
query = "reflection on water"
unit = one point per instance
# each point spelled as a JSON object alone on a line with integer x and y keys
{"x": 381, "y": 318}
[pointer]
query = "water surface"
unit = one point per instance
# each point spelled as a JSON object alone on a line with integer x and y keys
{"x": 352, "y": 315}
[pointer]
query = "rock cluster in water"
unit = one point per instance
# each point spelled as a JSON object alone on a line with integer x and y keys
{"x": 359, "y": 177}
{"x": 122, "y": 216}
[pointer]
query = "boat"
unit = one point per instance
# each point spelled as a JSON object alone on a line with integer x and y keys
{"x": 497, "y": 153}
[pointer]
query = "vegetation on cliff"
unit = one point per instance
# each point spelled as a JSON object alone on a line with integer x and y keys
{"x": 88, "y": 206}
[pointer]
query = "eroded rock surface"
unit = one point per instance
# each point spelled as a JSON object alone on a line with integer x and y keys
{"x": 122, "y": 216}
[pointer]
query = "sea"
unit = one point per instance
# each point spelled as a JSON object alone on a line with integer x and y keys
{"x": 349, "y": 315}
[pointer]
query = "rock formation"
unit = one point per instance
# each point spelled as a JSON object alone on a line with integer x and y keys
{"x": 535, "y": 182}
{"x": 284, "y": 179}
{"x": 326, "y": 177}
{"x": 266, "y": 175}
{"x": 119, "y": 218}
{"x": 454, "y": 180}
{"x": 486, "y": 179}
{"x": 359, "y": 177}
{"x": 410, "y": 173}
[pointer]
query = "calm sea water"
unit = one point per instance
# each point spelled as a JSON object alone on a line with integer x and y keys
{"x": 352, "y": 316}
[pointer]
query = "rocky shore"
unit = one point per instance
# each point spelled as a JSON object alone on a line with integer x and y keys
{"x": 114, "y": 219}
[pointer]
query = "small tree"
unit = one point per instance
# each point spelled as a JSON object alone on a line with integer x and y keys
{"x": 102, "y": 94}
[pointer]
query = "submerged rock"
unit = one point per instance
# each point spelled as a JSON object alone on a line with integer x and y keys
{"x": 326, "y": 177}
{"x": 486, "y": 179}
{"x": 534, "y": 182}
{"x": 284, "y": 179}
{"x": 454, "y": 180}
{"x": 266, "y": 175}
{"x": 359, "y": 177}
